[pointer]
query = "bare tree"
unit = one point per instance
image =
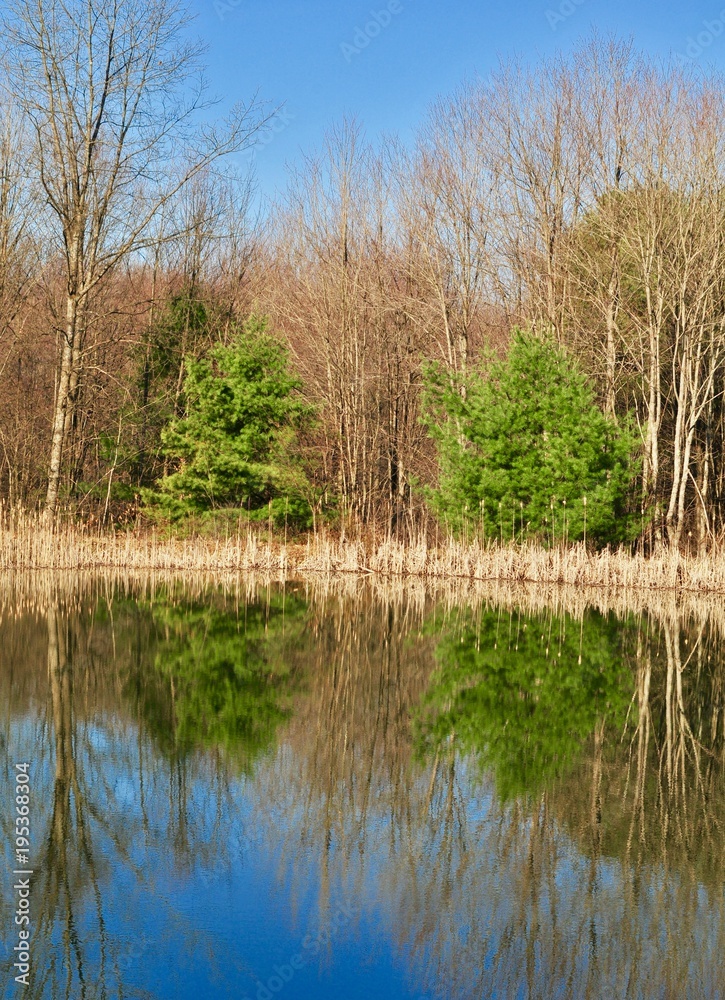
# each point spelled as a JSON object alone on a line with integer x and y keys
{"x": 18, "y": 243}
{"x": 344, "y": 308}
{"x": 116, "y": 106}
{"x": 19, "y": 264}
{"x": 447, "y": 206}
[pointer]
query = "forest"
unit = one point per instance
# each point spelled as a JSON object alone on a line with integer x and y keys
{"x": 512, "y": 325}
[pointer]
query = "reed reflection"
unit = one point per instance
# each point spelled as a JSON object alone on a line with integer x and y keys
{"x": 523, "y": 802}
{"x": 153, "y": 709}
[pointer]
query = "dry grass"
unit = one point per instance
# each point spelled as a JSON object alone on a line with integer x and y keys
{"x": 414, "y": 597}
{"x": 26, "y": 543}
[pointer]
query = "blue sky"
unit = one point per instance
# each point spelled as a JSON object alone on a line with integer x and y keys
{"x": 300, "y": 54}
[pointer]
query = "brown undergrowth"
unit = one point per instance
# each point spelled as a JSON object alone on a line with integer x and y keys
{"x": 28, "y": 543}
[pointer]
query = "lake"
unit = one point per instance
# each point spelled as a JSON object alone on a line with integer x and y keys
{"x": 319, "y": 790}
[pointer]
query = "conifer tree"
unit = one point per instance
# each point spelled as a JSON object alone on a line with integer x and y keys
{"x": 524, "y": 450}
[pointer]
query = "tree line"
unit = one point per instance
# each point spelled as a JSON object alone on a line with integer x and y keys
{"x": 578, "y": 199}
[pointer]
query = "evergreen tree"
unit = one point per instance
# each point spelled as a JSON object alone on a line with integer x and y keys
{"x": 183, "y": 329}
{"x": 234, "y": 444}
{"x": 524, "y": 451}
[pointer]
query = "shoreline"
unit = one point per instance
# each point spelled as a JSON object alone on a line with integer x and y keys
{"x": 26, "y": 544}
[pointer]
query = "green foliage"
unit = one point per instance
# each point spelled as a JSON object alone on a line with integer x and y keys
{"x": 221, "y": 677}
{"x": 524, "y": 451}
{"x": 292, "y": 510}
{"x": 120, "y": 492}
{"x": 235, "y": 445}
{"x": 183, "y": 327}
{"x": 524, "y": 693}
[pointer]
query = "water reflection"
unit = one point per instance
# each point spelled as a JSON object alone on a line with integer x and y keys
{"x": 525, "y": 692}
{"x": 314, "y": 794}
{"x": 220, "y": 678}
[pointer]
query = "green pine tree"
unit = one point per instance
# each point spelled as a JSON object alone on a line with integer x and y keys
{"x": 525, "y": 452}
{"x": 234, "y": 446}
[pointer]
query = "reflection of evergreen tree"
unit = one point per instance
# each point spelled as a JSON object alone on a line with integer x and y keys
{"x": 525, "y": 692}
{"x": 221, "y": 676}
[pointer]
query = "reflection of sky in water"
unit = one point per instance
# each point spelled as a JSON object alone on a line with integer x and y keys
{"x": 215, "y": 923}
{"x": 187, "y": 877}
{"x": 204, "y": 903}
{"x": 97, "y": 738}
{"x": 125, "y": 791}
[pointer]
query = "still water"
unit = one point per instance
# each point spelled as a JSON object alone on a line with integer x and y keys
{"x": 301, "y": 793}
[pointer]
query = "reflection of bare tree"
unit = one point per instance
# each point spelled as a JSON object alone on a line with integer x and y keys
{"x": 66, "y": 864}
{"x": 348, "y": 742}
{"x": 673, "y": 790}
{"x": 644, "y": 679}
{"x": 607, "y": 883}
{"x": 102, "y": 800}
{"x": 571, "y": 894}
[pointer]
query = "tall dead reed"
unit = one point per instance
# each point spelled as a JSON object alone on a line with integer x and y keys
{"x": 27, "y": 543}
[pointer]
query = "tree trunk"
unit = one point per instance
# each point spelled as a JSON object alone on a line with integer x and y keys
{"x": 61, "y": 408}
